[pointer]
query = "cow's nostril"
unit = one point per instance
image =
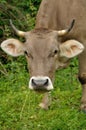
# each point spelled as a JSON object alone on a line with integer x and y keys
{"x": 46, "y": 82}
{"x": 33, "y": 82}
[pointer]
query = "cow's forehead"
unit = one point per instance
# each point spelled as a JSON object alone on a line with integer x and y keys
{"x": 41, "y": 41}
{"x": 41, "y": 34}
{"x": 41, "y": 38}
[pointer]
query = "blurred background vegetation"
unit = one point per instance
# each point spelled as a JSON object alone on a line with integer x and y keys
{"x": 22, "y": 13}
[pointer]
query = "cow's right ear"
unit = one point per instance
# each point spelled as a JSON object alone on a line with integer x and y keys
{"x": 13, "y": 47}
{"x": 71, "y": 48}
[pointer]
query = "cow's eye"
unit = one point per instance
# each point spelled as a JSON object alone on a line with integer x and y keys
{"x": 28, "y": 55}
{"x": 55, "y": 52}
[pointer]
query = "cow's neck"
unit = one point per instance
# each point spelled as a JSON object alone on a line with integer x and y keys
{"x": 46, "y": 17}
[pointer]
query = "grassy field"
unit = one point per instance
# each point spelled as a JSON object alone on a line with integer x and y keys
{"x": 19, "y": 106}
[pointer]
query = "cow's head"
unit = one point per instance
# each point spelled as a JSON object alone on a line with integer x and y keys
{"x": 44, "y": 54}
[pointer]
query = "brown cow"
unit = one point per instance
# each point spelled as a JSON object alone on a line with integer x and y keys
{"x": 48, "y": 49}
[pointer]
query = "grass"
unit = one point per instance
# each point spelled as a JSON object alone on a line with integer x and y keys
{"x": 19, "y": 106}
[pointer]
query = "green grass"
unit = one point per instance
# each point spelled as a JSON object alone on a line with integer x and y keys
{"x": 19, "y": 106}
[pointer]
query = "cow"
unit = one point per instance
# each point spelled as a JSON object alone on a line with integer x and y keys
{"x": 52, "y": 43}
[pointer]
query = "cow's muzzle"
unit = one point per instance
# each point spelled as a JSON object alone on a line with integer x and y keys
{"x": 40, "y": 83}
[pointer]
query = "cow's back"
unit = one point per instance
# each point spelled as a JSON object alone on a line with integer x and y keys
{"x": 58, "y": 14}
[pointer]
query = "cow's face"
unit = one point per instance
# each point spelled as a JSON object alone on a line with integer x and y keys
{"x": 44, "y": 54}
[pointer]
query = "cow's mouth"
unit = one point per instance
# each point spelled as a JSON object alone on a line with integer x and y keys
{"x": 41, "y": 90}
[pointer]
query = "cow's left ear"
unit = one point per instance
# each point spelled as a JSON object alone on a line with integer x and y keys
{"x": 71, "y": 48}
{"x": 13, "y": 47}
